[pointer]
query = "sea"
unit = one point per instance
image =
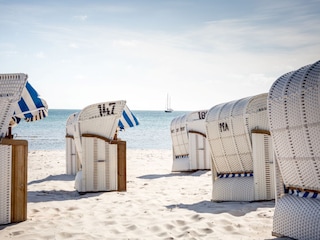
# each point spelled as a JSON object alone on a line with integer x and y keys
{"x": 153, "y": 132}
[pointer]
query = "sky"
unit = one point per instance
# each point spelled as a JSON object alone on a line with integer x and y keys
{"x": 200, "y": 52}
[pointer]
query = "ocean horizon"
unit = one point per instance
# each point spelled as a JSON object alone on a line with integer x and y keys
{"x": 153, "y": 132}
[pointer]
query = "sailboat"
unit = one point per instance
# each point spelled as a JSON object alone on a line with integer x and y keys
{"x": 168, "y": 105}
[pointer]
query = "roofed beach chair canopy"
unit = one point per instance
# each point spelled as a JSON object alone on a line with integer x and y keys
{"x": 189, "y": 145}
{"x": 294, "y": 116}
{"x": 127, "y": 120}
{"x": 93, "y": 149}
{"x": 11, "y": 87}
{"x": 238, "y": 135}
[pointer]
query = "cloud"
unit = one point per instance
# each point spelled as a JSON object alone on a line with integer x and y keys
{"x": 73, "y": 45}
{"x": 40, "y": 55}
{"x": 81, "y": 17}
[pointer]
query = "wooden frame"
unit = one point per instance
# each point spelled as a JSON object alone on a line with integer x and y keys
{"x": 19, "y": 179}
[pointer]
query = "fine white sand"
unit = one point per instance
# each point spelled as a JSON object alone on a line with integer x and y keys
{"x": 158, "y": 204}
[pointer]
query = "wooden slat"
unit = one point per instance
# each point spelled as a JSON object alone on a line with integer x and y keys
{"x": 19, "y": 179}
{"x": 122, "y": 165}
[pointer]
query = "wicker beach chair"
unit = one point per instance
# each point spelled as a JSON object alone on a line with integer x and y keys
{"x": 11, "y": 87}
{"x": 180, "y": 144}
{"x": 93, "y": 152}
{"x": 93, "y": 132}
{"x": 294, "y": 116}
{"x": 242, "y": 159}
{"x": 72, "y": 164}
{"x": 189, "y": 143}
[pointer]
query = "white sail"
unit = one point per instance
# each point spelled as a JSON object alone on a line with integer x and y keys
{"x": 168, "y": 105}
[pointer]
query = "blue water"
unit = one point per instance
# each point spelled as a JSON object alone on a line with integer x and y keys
{"x": 49, "y": 133}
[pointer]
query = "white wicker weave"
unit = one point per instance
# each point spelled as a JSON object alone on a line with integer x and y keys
{"x": 233, "y": 189}
{"x": 5, "y": 184}
{"x": 294, "y": 116}
{"x": 263, "y": 168}
{"x": 100, "y": 119}
{"x": 180, "y": 144}
{"x": 95, "y": 161}
{"x": 11, "y": 87}
{"x": 72, "y": 161}
{"x": 190, "y": 147}
{"x": 229, "y": 129}
{"x": 297, "y": 218}
{"x": 295, "y": 126}
{"x": 99, "y": 170}
{"x": 179, "y": 136}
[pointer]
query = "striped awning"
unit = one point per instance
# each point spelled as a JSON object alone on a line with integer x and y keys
{"x": 128, "y": 119}
{"x": 31, "y": 107}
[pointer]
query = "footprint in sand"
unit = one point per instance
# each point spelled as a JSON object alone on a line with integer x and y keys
{"x": 110, "y": 222}
{"x": 155, "y": 229}
{"x": 65, "y": 235}
{"x": 181, "y": 222}
{"x": 72, "y": 208}
{"x": 169, "y": 226}
{"x": 228, "y": 228}
{"x": 206, "y": 230}
{"x": 35, "y": 210}
{"x": 132, "y": 227}
{"x": 196, "y": 217}
{"x": 16, "y": 233}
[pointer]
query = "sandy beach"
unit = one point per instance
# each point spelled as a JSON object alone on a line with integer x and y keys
{"x": 158, "y": 204}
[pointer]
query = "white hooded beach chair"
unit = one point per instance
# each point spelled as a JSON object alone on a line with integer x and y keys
{"x": 294, "y": 115}
{"x": 242, "y": 158}
{"x": 18, "y": 101}
{"x": 11, "y": 87}
{"x": 93, "y": 152}
{"x": 180, "y": 143}
{"x": 189, "y": 144}
{"x": 72, "y": 163}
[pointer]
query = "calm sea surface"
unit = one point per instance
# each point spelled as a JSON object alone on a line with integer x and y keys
{"x": 49, "y": 133}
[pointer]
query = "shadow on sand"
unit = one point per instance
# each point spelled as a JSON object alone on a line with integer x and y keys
{"x": 236, "y": 209}
{"x": 174, "y": 174}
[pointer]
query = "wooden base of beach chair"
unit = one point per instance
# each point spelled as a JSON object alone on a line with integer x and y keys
{"x": 103, "y": 166}
{"x": 13, "y": 180}
{"x": 297, "y": 218}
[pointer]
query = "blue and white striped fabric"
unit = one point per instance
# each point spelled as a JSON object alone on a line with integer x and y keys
{"x": 128, "y": 119}
{"x": 232, "y": 175}
{"x": 30, "y": 107}
{"x": 304, "y": 194}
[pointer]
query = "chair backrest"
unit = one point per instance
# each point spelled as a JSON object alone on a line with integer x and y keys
{"x": 70, "y": 124}
{"x": 179, "y": 136}
{"x": 196, "y": 121}
{"x": 228, "y": 128}
{"x": 100, "y": 119}
{"x": 294, "y": 116}
{"x": 11, "y": 87}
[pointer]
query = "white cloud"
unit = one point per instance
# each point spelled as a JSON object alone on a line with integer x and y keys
{"x": 40, "y": 55}
{"x": 81, "y": 17}
{"x": 73, "y": 45}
